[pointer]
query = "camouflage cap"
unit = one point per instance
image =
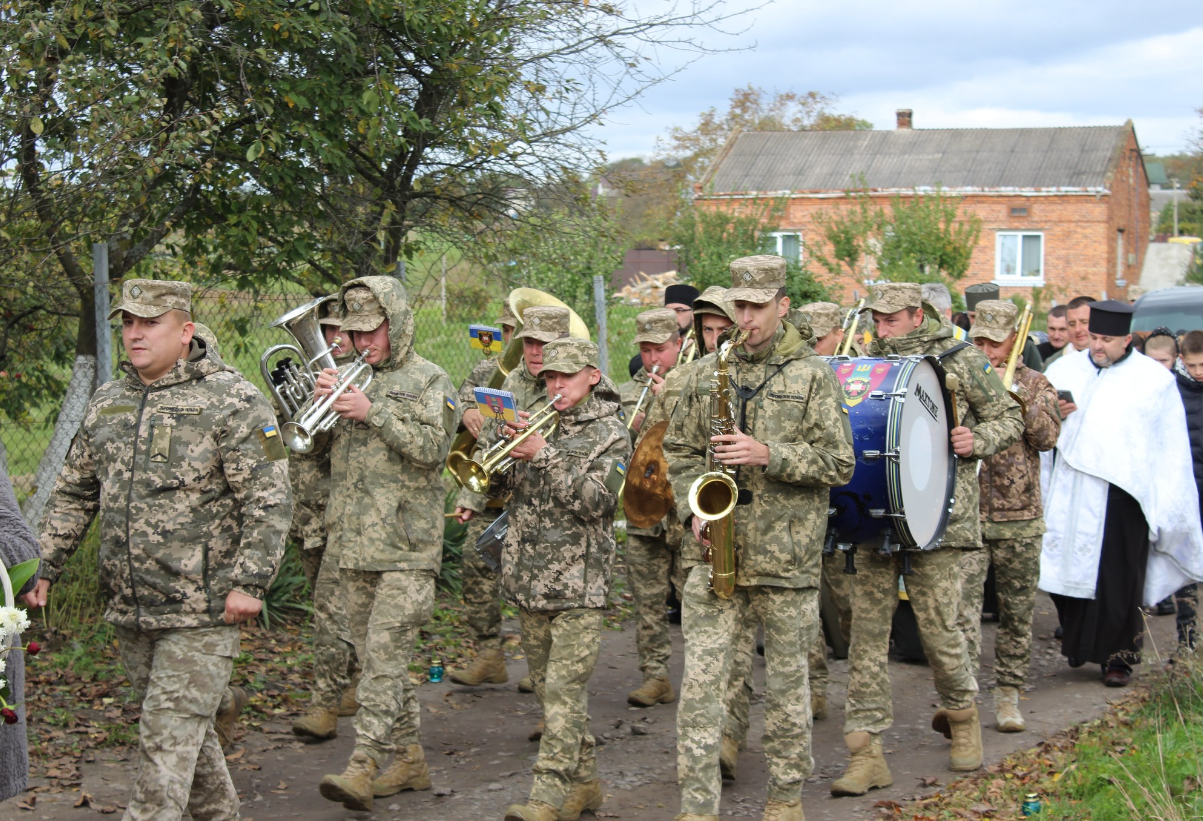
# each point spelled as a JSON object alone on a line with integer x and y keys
{"x": 332, "y": 313}
{"x": 891, "y": 297}
{"x": 507, "y": 316}
{"x": 756, "y": 279}
{"x": 544, "y": 323}
{"x": 153, "y": 297}
{"x": 994, "y": 319}
{"x": 980, "y": 293}
{"x": 656, "y": 326}
{"x": 206, "y": 334}
{"x": 824, "y": 317}
{"x": 570, "y": 355}
{"x": 361, "y": 310}
{"x": 713, "y": 301}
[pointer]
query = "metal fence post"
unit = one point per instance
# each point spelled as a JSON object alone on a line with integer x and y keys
{"x": 400, "y": 271}
{"x": 104, "y": 339}
{"x": 599, "y": 311}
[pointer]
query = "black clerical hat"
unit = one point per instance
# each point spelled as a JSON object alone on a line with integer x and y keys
{"x": 680, "y": 294}
{"x": 978, "y": 293}
{"x": 1111, "y": 318}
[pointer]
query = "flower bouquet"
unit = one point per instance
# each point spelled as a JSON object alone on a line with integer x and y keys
{"x": 13, "y": 620}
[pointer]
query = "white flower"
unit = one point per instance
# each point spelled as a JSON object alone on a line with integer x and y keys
{"x": 2, "y": 683}
{"x": 13, "y": 620}
{"x": 3, "y": 664}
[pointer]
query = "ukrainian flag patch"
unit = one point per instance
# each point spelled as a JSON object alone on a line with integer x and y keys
{"x": 451, "y": 403}
{"x": 269, "y": 440}
{"x": 616, "y": 478}
{"x": 987, "y": 368}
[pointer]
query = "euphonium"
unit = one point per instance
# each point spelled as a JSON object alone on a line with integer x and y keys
{"x": 714, "y": 494}
{"x": 292, "y": 383}
{"x": 477, "y": 476}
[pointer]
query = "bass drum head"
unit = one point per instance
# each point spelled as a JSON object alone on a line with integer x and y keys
{"x": 923, "y": 477}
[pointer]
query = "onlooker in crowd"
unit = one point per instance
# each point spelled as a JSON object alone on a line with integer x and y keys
{"x": 1077, "y": 320}
{"x": 1057, "y": 326}
{"x": 937, "y": 295}
{"x": 17, "y": 544}
{"x": 1162, "y": 347}
{"x": 1190, "y": 385}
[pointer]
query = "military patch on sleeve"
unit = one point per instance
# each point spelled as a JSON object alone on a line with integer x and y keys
{"x": 449, "y": 409}
{"x": 987, "y": 367}
{"x": 269, "y": 440}
{"x": 617, "y": 477}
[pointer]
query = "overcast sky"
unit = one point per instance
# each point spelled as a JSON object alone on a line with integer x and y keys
{"x": 968, "y": 63}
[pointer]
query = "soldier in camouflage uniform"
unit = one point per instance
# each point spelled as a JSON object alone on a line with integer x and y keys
{"x": 182, "y": 461}
{"x": 1012, "y": 521}
{"x": 792, "y": 444}
{"x": 384, "y": 518}
{"x": 990, "y": 422}
{"x": 651, "y": 551}
{"x": 481, "y": 585}
{"x": 556, "y": 565}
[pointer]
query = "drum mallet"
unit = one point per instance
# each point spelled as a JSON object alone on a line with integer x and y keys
{"x": 952, "y": 384}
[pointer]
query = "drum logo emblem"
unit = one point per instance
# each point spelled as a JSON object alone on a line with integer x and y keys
{"x": 859, "y": 379}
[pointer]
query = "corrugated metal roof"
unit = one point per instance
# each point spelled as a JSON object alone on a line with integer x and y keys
{"x": 971, "y": 158}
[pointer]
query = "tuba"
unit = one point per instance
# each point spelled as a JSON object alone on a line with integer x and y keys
{"x": 292, "y": 382}
{"x": 714, "y": 494}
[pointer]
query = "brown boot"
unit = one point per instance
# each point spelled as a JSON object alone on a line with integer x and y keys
{"x": 227, "y": 716}
{"x": 867, "y": 768}
{"x": 1007, "y": 717}
{"x": 526, "y": 685}
{"x": 780, "y": 811}
{"x": 348, "y": 705}
{"x": 352, "y": 789}
{"x": 582, "y": 797}
{"x": 653, "y": 691}
{"x": 966, "y": 733}
{"x": 318, "y": 723}
{"x": 728, "y": 758}
{"x": 818, "y": 706}
{"x": 407, "y": 772}
{"x": 534, "y": 811}
{"x": 536, "y": 733}
{"x": 487, "y": 668}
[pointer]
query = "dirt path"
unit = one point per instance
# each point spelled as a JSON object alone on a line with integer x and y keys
{"x": 480, "y": 757}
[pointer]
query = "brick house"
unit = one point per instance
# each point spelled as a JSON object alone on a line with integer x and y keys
{"x": 1063, "y": 209}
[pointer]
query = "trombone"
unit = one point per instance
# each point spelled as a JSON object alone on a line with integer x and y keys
{"x": 688, "y": 353}
{"x": 642, "y": 396}
{"x": 1022, "y": 326}
{"x": 477, "y": 476}
{"x": 317, "y": 417}
{"x": 850, "y": 323}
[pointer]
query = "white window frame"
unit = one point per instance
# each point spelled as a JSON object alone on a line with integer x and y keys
{"x": 777, "y": 235}
{"x": 1017, "y": 281}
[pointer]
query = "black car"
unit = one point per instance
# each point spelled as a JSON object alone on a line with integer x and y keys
{"x": 1179, "y": 309}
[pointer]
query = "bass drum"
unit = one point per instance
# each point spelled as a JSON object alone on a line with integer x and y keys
{"x": 905, "y": 475}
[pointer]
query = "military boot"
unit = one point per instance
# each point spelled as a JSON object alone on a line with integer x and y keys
{"x": 487, "y": 668}
{"x": 407, "y": 772}
{"x": 1007, "y": 717}
{"x": 654, "y": 691}
{"x": 867, "y": 768}
{"x": 728, "y": 758}
{"x": 780, "y": 811}
{"x": 963, "y": 727}
{"x": 818, "y": 706}
{"x": 352, "y": 789}
{"x": 318, "y": 723}
{"x": 536, "y": 733}
{"x": 348, "y": 705}
{"x": 534, "y": 811}
{"x": 227, "y": 716}
{"x": 526, "y": 685}
{"x": 582, "y": 797}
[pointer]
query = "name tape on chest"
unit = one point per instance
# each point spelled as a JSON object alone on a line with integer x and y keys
{"x": 397, "y": 393}
{"x": 179, "y": 410}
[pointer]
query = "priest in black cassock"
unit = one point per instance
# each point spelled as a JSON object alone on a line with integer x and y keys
{"x": 1120, "y": 501}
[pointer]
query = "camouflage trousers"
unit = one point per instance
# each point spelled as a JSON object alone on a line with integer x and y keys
{"x": 651, "y": 572}
{"x": 1016, "y": 571}
{"x": 180, "y": 676}
{"x": 561, "y": 649}
{"x": 712, "y": 626}
{"x": 385, "y": 611}
{"x": 481, "y": 587}
{"x": 934, "y": 591}
{"x": 335, "y": 664}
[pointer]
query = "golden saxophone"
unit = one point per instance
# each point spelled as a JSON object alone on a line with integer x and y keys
{"x": 713, "y": 495}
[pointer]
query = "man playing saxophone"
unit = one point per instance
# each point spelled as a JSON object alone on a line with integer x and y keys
{"x": 789, "y": 442}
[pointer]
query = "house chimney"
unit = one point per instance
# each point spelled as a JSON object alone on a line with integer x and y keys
{"x": 904, "y": 119}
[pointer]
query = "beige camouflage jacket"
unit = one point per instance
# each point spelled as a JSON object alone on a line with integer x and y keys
{"x": 559, "y": 551}
{"x": 386, "y": 488}
{"x": 798, "y": 414}
{"x": 190, "y": 480}
{"x": 478, "y": 378}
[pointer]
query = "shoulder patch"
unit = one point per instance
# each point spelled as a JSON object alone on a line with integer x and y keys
{"x": 617, "y": 477}
{"x": 269, "y": 440}
{"x": 397, "y": 393}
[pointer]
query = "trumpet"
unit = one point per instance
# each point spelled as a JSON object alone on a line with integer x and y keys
{"x": 477, "y": 476}
{"x": 642, "y": 396}
{"x": 317, "y": 417}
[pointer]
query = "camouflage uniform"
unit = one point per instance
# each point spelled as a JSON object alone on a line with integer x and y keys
{"x": 795, "y": 409}
{"x": 190, "y": 481}
{"x": 556, "y": 564}
{"x": 934, "y": 590}
{"x": 1012, "y": 519}
{"x": 385, "y": 513}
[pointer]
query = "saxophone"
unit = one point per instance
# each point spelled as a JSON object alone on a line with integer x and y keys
{"x": 713, "y": 495}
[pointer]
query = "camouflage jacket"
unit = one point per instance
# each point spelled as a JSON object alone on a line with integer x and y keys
{"x": 1010, "y": 480}
{"x": 386, "y": 488}
{"x": 480, "y": 376}
{"x": 559, "y": 550}
{"x": 985, "y": 408}
{"x": 190, "y": 480}
{"x": 798, "y": 413}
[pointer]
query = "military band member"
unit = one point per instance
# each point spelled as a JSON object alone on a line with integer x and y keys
{"x": 679, "y": 299}
{"x": 990, "y": 422}
{"x": 651, "y": 552}
{"x": 1012, "y": 521}
{"x": 792, "y": 442}
{"x": 827, "y": 323}
{"x": 989, "y": 291}
{"x": 384, "y": 520}
{"x": 182, "y": 461}
{"x": 556, "y": 566}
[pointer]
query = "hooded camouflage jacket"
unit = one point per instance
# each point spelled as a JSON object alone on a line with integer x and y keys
{"x": 559, "y": 550}
{"x": 386, "y": 488}
{"x": 1010, "y": 480}
{"x": 190, "y": 480}
{"x": 798, "y": 413}
{"x": 985, "y": 408}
